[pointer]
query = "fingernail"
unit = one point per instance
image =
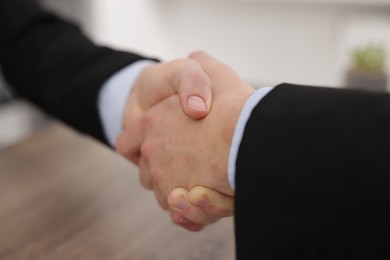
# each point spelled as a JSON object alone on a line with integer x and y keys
{"x": 181, "y": 204}
{"x": 196, "y": 103}
{"x": 204, "y": 202}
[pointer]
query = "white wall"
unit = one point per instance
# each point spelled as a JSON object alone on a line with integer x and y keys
{"x": 265, "y": 42}
{"x": 134, "y": 25}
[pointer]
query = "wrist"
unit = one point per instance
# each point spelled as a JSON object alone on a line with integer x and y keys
{"x": 245, "y": 113}
{"x": 234, "y": 112}
{"x": 134, "y": 107}
{"x": 228, "y": 108}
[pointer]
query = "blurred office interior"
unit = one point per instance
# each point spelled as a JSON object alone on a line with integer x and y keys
{"x": 266, "y": 41}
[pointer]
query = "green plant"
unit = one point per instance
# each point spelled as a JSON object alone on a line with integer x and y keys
{"x": 370, "y": 58}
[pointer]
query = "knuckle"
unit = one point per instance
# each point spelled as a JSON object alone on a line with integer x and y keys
{"x": 146, "y": 122}
{"x": 197, "y": 54}
{"x": 146, "y": 183}
{"x": 147, "y": 149}
{"x": 156, "y": 175}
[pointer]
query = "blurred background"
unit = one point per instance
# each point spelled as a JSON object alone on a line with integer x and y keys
{"x": 336, "y": 43}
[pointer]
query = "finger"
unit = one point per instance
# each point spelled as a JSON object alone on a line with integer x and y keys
{"x": 185, "y": 223}
{"x": 161, "y": 199}
{"x": 144, "y": 174}
{"x": 212, "y": 202}
{"x": 193, "y": 86}
{"x": 129, "y": 142}
{"x": 178, "y": 202}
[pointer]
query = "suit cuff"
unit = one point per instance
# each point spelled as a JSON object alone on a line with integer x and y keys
{"x": 113, "y": 98}
{"x": 250, "y": 104}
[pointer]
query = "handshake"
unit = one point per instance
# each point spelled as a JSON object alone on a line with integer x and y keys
{"x": 303, "y": 168}
{"x": 182, "y": 143}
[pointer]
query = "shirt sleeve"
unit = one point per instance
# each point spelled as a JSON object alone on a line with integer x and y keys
{"x": 251, "y": 103}
{"x": 113, "y": 97}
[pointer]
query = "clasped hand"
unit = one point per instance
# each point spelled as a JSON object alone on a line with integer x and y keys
{"x": 182, "y": 157}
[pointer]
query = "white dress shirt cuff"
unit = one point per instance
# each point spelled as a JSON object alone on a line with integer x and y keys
{"x": 250, "y": 104}
{"x": 113, "y": 98}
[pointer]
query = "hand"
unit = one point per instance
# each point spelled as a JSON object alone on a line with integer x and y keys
{"x": 175, "y": 151}
{"x": 157, "y": 82}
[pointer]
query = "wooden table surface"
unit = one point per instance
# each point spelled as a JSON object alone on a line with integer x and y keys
{"x": 65, "y": 196}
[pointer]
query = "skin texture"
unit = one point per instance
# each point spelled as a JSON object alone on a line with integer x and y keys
{"x": 174, "y": 151}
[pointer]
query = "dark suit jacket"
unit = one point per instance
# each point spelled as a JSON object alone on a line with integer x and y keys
{"x": 53, "y": 64}
{"x": 313, "y": 176}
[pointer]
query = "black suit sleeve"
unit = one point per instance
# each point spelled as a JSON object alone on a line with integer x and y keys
{"x": 53, "y": 64}
{"x": 313, "y": 176}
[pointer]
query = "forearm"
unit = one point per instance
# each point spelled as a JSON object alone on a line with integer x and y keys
{"x": 53, "y": 64}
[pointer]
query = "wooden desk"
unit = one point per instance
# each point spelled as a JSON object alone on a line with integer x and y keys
{"x": 64, "y": 196}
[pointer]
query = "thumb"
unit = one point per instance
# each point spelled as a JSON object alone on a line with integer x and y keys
{"x": 184, "y": 77}
{"x": 193, "y": 86}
